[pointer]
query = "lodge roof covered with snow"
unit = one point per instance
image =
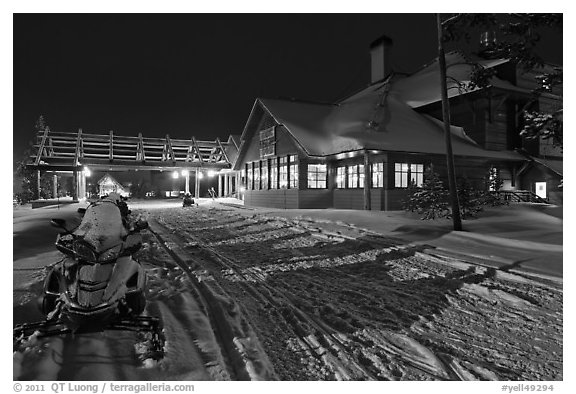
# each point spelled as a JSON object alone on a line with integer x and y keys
{"x": 364, "y": 123}
{"x": 423, "y": 87}
{"x": 380, "y": 117}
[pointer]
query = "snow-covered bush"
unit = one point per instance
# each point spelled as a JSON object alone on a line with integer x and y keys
{"x": 431, "y": 200}
{"x": 493, "y": 183}
{"x": 470, "y": 198}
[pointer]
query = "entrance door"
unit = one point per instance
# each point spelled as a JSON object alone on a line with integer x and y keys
{"x": 540, "y": 189}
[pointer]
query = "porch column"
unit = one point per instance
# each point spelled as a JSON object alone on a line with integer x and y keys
{"x": 226, "y": 185}
{"x": 75, "y": 185}
{"x": 82, "y": 186}
{"x": 367, "y": 181}
{"x": 54, "y": 186}
{"x": 38, "y": 175}
{"x": 219, "y": 185}
{"x": 187, "y": 187}
{"x": 386, "y": 181}
{"x": 197, "y": 185}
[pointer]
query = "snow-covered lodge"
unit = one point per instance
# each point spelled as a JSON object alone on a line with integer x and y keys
{"x": 363, "y": 151}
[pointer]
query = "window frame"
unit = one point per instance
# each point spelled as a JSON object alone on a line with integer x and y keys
{"x": 412, "y": 171}
{"x": 377, "y": 177}
{"x": 341, "y": 175}
{"x": 316, "y": 181}
{"x": 283, "y": 172}
{"x": 292, "y": 172}
{"x": 273, "y": 173}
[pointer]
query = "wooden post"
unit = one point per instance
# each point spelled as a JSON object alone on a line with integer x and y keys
{"x": 38, "y": 175}
{"x": 82, "y": 185}
{"x": 385, "y": 181}
{"x": 75, "y": 185}
{"x": 197, "y": 185}
{"x": 238, "y": 184}
{"x": 54, "y": 186}
{"x": 367, "y": 200}
{"x": 187, "y": 188}
{"x": 219, "y": 185}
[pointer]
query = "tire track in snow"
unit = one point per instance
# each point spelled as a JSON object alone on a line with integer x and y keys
{"x": 444, "y": 277}
{"x": 335, "y": 354}
{"x": 244, "y": 360}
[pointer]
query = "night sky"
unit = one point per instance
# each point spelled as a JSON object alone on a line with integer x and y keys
{"x": 198, "y": 74}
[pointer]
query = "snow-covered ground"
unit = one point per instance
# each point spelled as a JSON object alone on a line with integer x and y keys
{"x": 315, "y": 295}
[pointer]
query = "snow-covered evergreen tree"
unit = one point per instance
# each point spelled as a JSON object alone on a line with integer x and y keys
{"x": 431, "y": 200}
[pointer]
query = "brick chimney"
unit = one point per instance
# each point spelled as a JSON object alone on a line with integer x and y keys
{"x": 380, "y": 58}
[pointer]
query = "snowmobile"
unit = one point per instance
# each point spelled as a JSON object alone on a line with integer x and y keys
{"x": 98, "y": 285}
{"x": 187, "y": 201}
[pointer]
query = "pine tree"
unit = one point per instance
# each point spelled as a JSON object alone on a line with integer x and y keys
{"x": 517, "y": 41}
{"x": 28, "y": 176}
{"x": 470, "y": 199}
{"x": 493, "y": 182}
{"x": 431, "y": 200}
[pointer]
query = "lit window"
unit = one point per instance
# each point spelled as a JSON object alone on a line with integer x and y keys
{"x": 293, "y": 173}
{"x": 264, "y": 174}
{"x": 257, "y": 175}
{"x": 378, "y": 175}
{"x": 317, "y": 176}
{"x": 405, "y": 171}
{"x": 352, "y": 177}
{"x": 283, "y": 172}
{"x": 356, "y": 176}
{"x": 249, "y": 184}
{"x": 273, "y": 174}
{"x": 417, "y": 174}
{"x": 341, "y": 177}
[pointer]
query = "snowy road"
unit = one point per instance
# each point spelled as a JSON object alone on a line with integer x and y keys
{"x": 249, "y": 296}
{"x": 192, "y": 354}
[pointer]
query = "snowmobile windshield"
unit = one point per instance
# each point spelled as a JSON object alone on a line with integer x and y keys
{"x": 84, "y": 251}
{"x": 102, "y": 227}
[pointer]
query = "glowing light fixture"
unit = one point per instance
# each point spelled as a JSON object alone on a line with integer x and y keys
{"x": 242, "y": 189}
{"x": 175, "y": 174}
{"x": 87, "y": 171}
{"x": 184, "y": 172}
{"x": 211, "y": 173}
{"x": 200, "y": 175}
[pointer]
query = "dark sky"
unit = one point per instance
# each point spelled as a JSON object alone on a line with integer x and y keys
{"x": 198, "y": 74}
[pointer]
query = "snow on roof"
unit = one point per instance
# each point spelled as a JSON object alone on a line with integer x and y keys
{"x": 423, "y": 87}
{"x": 554, "y": 165}
{"x": 323, "y": 129}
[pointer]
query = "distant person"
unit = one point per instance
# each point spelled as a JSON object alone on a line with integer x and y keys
{"x": 187, "y": 201}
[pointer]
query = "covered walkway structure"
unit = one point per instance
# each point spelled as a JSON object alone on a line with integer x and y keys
{"x": 79, "y": 153}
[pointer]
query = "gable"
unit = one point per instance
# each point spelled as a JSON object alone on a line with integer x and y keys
{"x": 261, "y": 124}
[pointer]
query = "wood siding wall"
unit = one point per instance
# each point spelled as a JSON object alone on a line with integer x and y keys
{"x": 539, "y": 173}
{"x": 279, "y": 198}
